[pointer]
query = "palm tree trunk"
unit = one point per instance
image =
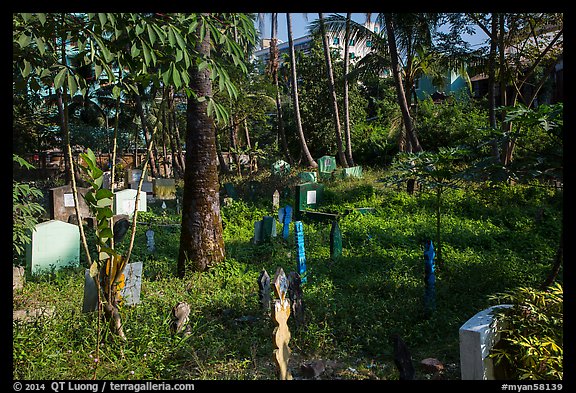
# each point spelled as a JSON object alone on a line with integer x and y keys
{"x": 412, "y": 139}
{"x": 201, "y": 241}
{"x": 346, "y": 106}
{"x": 304, "y": 147}
{"x": 331, "y": 88}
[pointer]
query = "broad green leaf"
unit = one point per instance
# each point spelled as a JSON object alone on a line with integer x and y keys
{"x": 146, "y": 53}
{"x": 106, "y": 233}
{"x": 151, "y": 35}
{"x": 104, "y": 193}
{"x": 176, "y": 77}
{"x": 102, "y": 17}
{"x": 24, "y": 40}
{"x": 27, "y": 68}
{"x": 60, "y": 78}
{"x": 135, "y": 52}
{"x": 72, "y": 84}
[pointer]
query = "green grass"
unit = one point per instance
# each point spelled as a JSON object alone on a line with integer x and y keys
{"x": 492, "y": 242}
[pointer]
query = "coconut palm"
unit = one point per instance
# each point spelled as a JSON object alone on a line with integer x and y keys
{"x": 309, "y": 160}
{"x": 330, "y": 73}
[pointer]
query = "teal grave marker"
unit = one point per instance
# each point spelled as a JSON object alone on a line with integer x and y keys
{"x": 429, "y": 279}
{"x": 335, "y": 241}
{"x": 308, "y": 177}
{"x": 285, "y": 217}
{"x": 353, "y": 171}
{"x": 326, "y": 165}
{"x": 280, "y": 168}
{"x": 54, "y": 245}
{"x": 231, "y": 191}
{"x": 300, "y": 251}
{"x": 264, "y": 229}
{"x": 308, "y": 196}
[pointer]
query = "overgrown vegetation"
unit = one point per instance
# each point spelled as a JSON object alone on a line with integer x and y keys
{"x": 496, "y": 237}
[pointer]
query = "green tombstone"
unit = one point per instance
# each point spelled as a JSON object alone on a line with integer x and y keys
{"x": 230, "y": 190}
{"x": 308, "y": 177}
{"x": 280, "y": 168}
{"x": 326, "y": 165}
{"x": 335, "y": 241}
{"x": 308, "y": 196}
{"x": 353, "y": 171}
{"x": 54, "y": 245}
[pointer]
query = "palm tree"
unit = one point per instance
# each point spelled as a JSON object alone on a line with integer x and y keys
{"x": 330, "y": 73}
{"x": 272, "y": 69}
{"x": 201, "y": 242}
{"x": 346, "y": 106}
{"x": 310, "y": 161}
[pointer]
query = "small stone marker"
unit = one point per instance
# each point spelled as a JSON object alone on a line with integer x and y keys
{"x": 18, "y": 278}
{"x": 276, "y": 200}
{"x": 335, "y": 241}
{"x": 295, "y": 295}
{"x": 268, "y": 227}
{"x": 54, "y": 245}
{"x": 264, "y": 291}
{"x": 257, "y": 232}
{"x": 180, "y": 317}
{"x": 281, "y": 334}
{"x": 429, "y": 279}
{"x": 150, "y": 240}
{"x": 285, "y": 217}
{"x": 300, "y": 251}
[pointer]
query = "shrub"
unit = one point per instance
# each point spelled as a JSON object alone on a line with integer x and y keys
{"x": 530, "y": 346}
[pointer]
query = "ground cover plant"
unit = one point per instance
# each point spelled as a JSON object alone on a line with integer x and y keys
{"x": 496, "y": 237}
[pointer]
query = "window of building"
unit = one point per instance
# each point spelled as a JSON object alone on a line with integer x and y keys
{"x": 351, "y": 42}
{"x": 336, "y": 41}
{"x": 369, "y": 44}
{"x": 351, "y": 55}
{"x": 376, "y": 29}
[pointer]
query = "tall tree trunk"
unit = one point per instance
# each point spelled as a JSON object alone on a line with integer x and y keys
{"x": 492, "y": 84}
{"x": 331, "y": 88}
{"x": 147, "y": 137}
{"x": 411, "y": 138}
{"x": 346, "y": 103}
{"x": 177, "y": 168}
{"x": 304, "y": 147}
{"x": 201, "y": 241}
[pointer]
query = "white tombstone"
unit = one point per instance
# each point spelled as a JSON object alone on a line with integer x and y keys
{"x": 54, "y": 244}
{"x": 477, "y": 337}
{"x": 125, "y": 200}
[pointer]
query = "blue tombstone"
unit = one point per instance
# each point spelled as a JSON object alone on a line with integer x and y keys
{"x": 429, "y": 278}
{"x": 300, "y": 252}
{"x": 285, "y": 217}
